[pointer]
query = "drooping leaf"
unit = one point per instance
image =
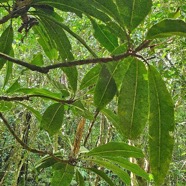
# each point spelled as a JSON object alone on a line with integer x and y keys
{"x": 9, "y": 66}
{"x": 126, "y": 164}
{"x": 77, "y": 6}
{"x": 133, "y": 12}
{"x": 6, "y": 40}
{"x": 105, "y": 89}
{"x": 133, "y": 100}
{"x": 44, "y": 41}
{"x": 57, "y": 34}
{"x": 161, "y": 126}
{"x": 116, "y": 149}
{"x": 91, "y": 77}
{"x": 79, "y": 179}
{"x": 117, "y": 170}
{"x": 62, "y": 175}
{"x": 102, "y": 175}
{"x": 52, "y": 118}
{"x": 104, "y": 36}
{"x": 167, "y": 28}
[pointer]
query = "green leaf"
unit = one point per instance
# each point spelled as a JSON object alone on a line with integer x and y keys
{"x": 6, "y": 40}
{"x": 45, "y": 42}
{"x": 117, "y": 170}
{"x": 62, "y": 175}
{"x": 116, "y": 149}
{"x": 52, "y": 118}
{"x": 102, "y": 175}
{"x": 35, "y": 112}
{"x": 77, "y": 6}
{"x": 133, "y": 100}
{"x": 104, "y": 36}
{"x": 15, "y": 86}
{"x": 9, "y": 66}
{"x": 161, "y": 126}
{"x": 57, "y": 34}
{"x": 37, "y": 59}
{"x": 133, "y": 12}
{"x": 126, "y": 164}
{"x": 39, "y": 91}
{"x": 79, "y": 179}
{"x": 90, "y": 77}
{"x": 167, "y": 28}
{"x": 105, "y": 89}
{"x": 5, "y": 105}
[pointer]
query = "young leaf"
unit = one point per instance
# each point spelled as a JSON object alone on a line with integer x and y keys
{"x": 62, "y": 175}
{"x": 15, "y": 86}
{"x": 117, "y": 170}
{"x": 161, "y": 126}
{"x": 116, "y": 149}
{"x": 91, "y": 77}
{"x": 79, "y": 179}
{"x": 105, "y": 89}
{"x": 126, "y": 164}
{"x": 133, "y": 100}
{"x": 52, "y": 118}
{"x": 102, "y": 175}
{"x": 104, "y": 36}
{"x": 6, "y": 40}
{"x": 167, "y": 28}
{"x": 5, "y": 106}
{"x": 133, "y": 12}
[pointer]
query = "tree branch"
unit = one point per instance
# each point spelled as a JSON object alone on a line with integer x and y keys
{"x": 23, "y": 98}
{"x": 66, "y": 64}
{"x": 25, "y": 146}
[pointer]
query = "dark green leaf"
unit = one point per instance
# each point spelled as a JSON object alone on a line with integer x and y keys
{"x": 104, "y": 36}
{"x": 79, "y": 179}
{"x": 52, "y": 118}
{"x": 167, "y": 28}
{"x": 6, "y": 40}
{"x": 91, "y": 77}
{"x": 105, "y": 89}
{"x": 133, "y": 100}
{"x": 62, "y": 175}
{"x": 161, "y": 126}
{"x": 133, "y": 12}
{"x": 116, "y": 149}
{"x": 102, "y": 175}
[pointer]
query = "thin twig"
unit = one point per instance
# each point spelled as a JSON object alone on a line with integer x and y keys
{"x": 26, "y": 147}
{"x": 90, "y": 127}
{"x": 23, "y": 98}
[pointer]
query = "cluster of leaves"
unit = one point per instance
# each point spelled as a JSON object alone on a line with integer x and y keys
{"x": 126, "y": 81}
